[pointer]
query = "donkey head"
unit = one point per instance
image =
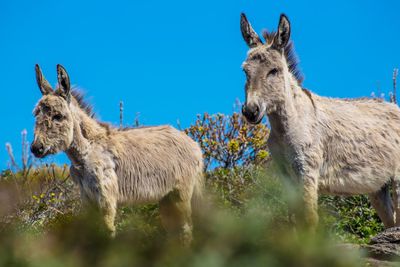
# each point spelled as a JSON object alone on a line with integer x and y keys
{"x": 266, "y": 70}
{"x": 54, "y": 121}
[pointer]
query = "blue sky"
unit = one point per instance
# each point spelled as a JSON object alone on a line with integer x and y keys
{"x": 171, "y": 60}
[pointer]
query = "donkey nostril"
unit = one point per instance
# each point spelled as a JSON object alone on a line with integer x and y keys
{"x": 37, "y": 149}
{"x": 256, "y": 110}
{"x": 251, "y": 112}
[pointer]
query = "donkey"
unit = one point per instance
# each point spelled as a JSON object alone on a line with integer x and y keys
{"x": 322, "y": 145}
{"x": 112, "y": 166}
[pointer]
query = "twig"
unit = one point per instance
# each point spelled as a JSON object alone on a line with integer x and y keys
{"x": 121, "y": 113}
{"x": 395, "y": 73}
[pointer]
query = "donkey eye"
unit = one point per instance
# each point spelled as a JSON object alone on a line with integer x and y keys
{"x": 272, "y": 72}
{"x": 57, "y": 117}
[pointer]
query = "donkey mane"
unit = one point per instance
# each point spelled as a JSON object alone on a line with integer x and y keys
{"x": 290, "y": 55}
{"x": 364, "y": 99}
{"x": 128, "y": 128}
{"x": 79, "y": 96}
{"x": 293, "y": 64}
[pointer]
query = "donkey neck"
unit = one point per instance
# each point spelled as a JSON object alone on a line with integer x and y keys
{"x": 290, "y": 116}
{"x": 87, "y": 131}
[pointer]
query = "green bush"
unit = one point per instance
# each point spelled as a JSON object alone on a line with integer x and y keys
{"x": 350, "y": 218}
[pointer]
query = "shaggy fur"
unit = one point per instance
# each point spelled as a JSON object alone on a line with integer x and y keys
{"x": 110, "y": 166}
{"x": 324, "y": 145}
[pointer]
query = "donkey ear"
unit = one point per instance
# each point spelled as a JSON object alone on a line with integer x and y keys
{"x": 44, "y": 86}
{"x": 249, "y": 35}
{"x": 283, "y": 35}
{"x": 64, "y": 86}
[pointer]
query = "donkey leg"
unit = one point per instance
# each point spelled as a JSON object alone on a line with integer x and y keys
{"x": 382, "y": 203}
{"x": 396, "y": 199}
{"x": 105, "y": 208}
{"x": 77, "y": 178}
{"x": 109, "y": 210}
{"x": 176, "y": 217}
{"x": 309, "y": 217}
{"x": 107, "y": 196}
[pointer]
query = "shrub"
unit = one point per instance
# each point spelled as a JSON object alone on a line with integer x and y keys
{"x": 33, "y": 194}
{"x": 228, "y": 141}
{"x": 350, "y": 218}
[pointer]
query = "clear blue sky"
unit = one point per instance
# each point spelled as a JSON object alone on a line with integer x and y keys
{"x": 171, "y": 60}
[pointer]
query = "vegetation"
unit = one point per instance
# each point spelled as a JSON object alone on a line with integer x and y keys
{"x": 244, "y": 222}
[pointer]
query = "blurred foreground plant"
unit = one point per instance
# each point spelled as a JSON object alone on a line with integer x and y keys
{"x": 258, "y": 236}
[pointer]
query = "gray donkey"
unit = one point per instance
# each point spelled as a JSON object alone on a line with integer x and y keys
{"x": 323, "y": 145}
{"x": 110, "y": 166}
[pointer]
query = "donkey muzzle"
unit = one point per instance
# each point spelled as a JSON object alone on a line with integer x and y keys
{"x": 37, "y": 150}
{"x": 252, "y": 113}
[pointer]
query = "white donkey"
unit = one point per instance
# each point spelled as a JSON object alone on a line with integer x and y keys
{"x": 110, "y": 166}
{"x": 324, "y": 145}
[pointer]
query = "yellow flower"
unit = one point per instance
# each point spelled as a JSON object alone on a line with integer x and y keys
{"x": 262, "y": 154}
{"x": 233, "y": 145}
